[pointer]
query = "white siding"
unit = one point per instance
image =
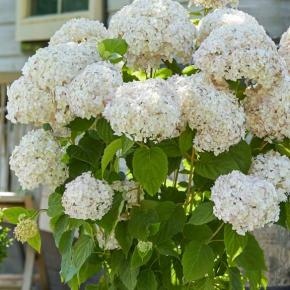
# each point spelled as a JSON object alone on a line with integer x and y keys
{"x": 11, "y": 58}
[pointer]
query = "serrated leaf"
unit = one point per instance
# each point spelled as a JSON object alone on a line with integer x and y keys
{"x": 80, "y": 125}
{"x": 13, "y": 214}
{"x": 110, "y": 152}
{"x": 147, "y": 280}
{"x": 35, "y": 242}
{"x": 55, "y": 207}
{"x": 234, "y": 243}
{"x": 238, "y": 157}
{"x": 105, "y": 131}
{"x": 150, "y": 167}
{"x": 203, "y": 214}
{"x": 252, "y": 258}
{"x": 128, "y": 275}
{"x": 197, "y": 261}
{"x": 141, "y": 255}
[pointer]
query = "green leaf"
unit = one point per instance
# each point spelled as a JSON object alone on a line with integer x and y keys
{"x": 55, "y": 207}
{"x": 198, "y": 233}
{"x": 110, "y": 152}
{"x": 141, "y": 255}
{"x": 35, "y": 242}
{"x": 173, "y": 66}
{"x": 186, "y": 140}
{"x": 235, "y": 279}
{"x": 60, "y": 227}
{"x": 82, "y": 249}
{"x": 110, "y": 219}
{"x": 127, "y": 144}
{"x": 238, "y": 87}
{"x": 105, "y": 131}
{"x": 147, "y": 281}
{"x": 80, "y": 125}
{"x": 237, "y": 158}
{"x": 234, "y": 243}
{"x": 128, "y": 275}
{"x": 123, "y": 236}
{"x": 163, "y": 73}
{"x": 252, "y": 258}
{"x": 150, "y": 167}
{"x": 113, "y": 49}
{"x": 197, "y": 261}
{"x": 13, "y": 214}
{"x": 65, "y": 242}
{"x": 170, "y": 147}
{"x": 284, "y": 219}
{"x": 203, "y": 214}
{"x": 204, "y": 284}
{"x": 190, "y": 70}
{"x": 167, "y": 248}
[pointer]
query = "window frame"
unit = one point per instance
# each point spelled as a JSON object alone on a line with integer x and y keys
{"x": 35, "y": 28}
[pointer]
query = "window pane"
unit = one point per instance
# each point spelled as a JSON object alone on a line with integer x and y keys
{"x": 43, "y": 7}
{"x": 74, "y": 5}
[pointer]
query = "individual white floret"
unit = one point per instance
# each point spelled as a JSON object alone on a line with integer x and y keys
{"x": 145, "y": 110}
{"x": 222, "y": 17}
{"x": 215, "y": 3}
{"x": 155, "y": 31}
{"x": 80, "y": 30}
{"x": 235, "y": 52}
{"x": 274, "y": 168}
{"x": 57, "y": 65}
{"x": 246, "y": 202}
{"x": 268, "y": 111}
{"x": 93, "y": 88}
{"x": 132, "y": 193}
{"x": 284, "y": 49}
{"x": 87, "y": 197}
{"x": 107, "y": 243}
{"x": 216, "y": 115}
{"x": 28, "y": 104}
{"x": 37, "y": 161}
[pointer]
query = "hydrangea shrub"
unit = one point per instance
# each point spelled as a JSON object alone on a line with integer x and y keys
{"x": 163, "y": 142}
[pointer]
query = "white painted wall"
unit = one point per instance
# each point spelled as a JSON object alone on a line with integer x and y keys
{"x": 11, "y": 58}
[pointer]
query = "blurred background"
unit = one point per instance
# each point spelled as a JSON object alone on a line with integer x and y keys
{"x": 25, "y": 26}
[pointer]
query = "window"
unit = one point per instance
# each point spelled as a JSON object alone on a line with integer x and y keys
{"x": 37, "y": 20}
{"x": 44, "y": 7}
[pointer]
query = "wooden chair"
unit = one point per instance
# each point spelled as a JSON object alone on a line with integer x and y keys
{"x": 24, "y": 281}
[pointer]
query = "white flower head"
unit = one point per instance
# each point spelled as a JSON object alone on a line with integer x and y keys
{"x": 155, "y": 31}
{"x": 93, "y": 88}
{"x": 109, "y": 243}
{"x": 28, "y": 104}
{"x": 268, "y": 111}
{"x": 274, "y": 168}
{"x": 132, "y": 193}
{"x": 235, "y": 52}
{"x": 37, "y": 160}
{"x": 80, "y": 30}
{"x": 216, "y": 115}
{"x": 145, "y": 110}
{"x": 223, "y": 17}
{"x": 25, "y": 230}
{"x": 57, "y": 65}
{"x": 246, "y": 202}
{"x": 215, "y": 3}
{"x": 87, "y": 197}
{"x": 284, "y": 49}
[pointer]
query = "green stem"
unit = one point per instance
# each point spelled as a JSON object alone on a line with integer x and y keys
{"x": 215, "y": 233}
{"x": 188, "y": 193}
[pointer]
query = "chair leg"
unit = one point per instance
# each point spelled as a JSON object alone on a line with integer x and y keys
{"x": 28, "y": 268}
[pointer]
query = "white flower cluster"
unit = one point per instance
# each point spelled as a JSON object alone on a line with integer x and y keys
{"x": 268, "y": 112}
{"x": 274, "y": 168}
{"x": 80, "y": 30}
{"x": 91, "y": 90}
{"x": 132, "y": 193}
{"x": 246, "y": 202}
{"x": 26, "y": 101}
{"x": 87, "y": 197}
{"x": 215, "y": 3}
{"x": 234, "y": 52}
{"x": 215, "y": 115}
{"x": 37, "y": 160}
{"x": 155, "y": 31}
{"x": 145, "y": 110}
{"x": 222, "y": 17}
{"x": 284, "y": 49}
{"x": 109, "y": 243}
{"x": 57, "y": 65}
